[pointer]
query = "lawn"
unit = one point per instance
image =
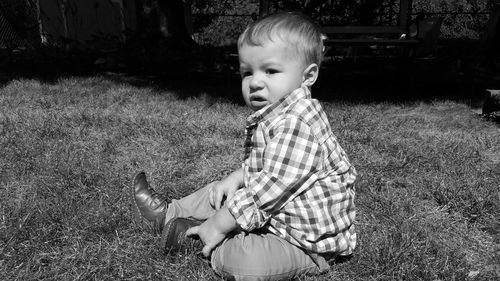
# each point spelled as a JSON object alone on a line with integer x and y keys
{"x": 427, "y": 193}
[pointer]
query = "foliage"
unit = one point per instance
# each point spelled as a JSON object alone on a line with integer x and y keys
{"x": 338, "y": 12}
{"x": 457, "y": 25}
{"x": 222, "y": 30}
{"x": 220, "y": 22}
{"x": 427, "y": 192}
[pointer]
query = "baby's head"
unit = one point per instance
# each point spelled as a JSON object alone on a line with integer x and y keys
{"x": 278, "y": 54}
{"x": 292, "y": 28}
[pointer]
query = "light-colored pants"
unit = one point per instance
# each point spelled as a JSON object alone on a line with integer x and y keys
{"x": 256, "y": 255}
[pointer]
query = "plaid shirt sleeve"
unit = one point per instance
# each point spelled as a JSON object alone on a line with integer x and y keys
{"x": 290, "y": 155}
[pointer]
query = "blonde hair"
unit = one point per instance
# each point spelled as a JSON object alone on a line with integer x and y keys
{"x": 293, "y": 28}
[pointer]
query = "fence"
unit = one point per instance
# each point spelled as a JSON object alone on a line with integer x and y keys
{"x": 29, "y": 22}
{"x": 18, "y": 23}
{"x": 9, "y": 38}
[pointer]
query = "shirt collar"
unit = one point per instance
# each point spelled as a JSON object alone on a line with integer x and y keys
{"x": 277, "y": 107}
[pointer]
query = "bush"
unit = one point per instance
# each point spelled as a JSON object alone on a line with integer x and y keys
{"x": 461, "y": 24}
{"x": 462, "y": 18}
{"x": 215, "y": 22}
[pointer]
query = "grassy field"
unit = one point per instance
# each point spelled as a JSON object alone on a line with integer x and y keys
{"x": 427, "y": 195}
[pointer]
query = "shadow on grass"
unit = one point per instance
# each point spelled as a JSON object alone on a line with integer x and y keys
{"x": 360, "y": 81}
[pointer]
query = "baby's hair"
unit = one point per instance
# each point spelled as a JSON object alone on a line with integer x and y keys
{"x": 293, "y": 28}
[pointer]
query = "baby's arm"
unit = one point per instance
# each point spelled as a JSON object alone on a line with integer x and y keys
{"x": 214, "y": 230}
{"x": 226, "y": 187}
{"x": 287, "y": 164}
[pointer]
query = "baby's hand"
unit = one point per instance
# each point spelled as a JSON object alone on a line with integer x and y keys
{"x": 208, "y": 234}
{"x": 219, "y": 192}
{"x": 213, "y": 231}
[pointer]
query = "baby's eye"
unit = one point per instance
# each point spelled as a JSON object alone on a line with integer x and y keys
{"x": 245, "y": 73}
{"x": 271, "y": 71}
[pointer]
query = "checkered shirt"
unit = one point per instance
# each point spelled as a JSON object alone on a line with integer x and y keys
{"x": 299, "y": 183}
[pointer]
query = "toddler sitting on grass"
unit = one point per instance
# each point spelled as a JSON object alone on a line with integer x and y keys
{"x": 289, "y": 209}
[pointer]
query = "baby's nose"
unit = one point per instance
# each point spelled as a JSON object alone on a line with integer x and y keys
{"x": 256, "y": 82}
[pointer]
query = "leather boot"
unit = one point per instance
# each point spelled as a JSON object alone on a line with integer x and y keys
{"x": 147, "y": 203}
{"x": 174, "y": 239}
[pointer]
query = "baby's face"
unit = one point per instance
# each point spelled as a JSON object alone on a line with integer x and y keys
{"x": 269, "y": 72}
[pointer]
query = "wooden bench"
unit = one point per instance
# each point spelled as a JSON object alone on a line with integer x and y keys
{"x": 368, "y": 35}
{"x": 405, "y": 34}
{"x": 394, "y": 35}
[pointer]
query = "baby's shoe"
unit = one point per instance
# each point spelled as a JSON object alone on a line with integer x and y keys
{"x": 173, "y": 236}
{"x": 147, "y": 203}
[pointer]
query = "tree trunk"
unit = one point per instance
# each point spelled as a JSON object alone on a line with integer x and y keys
{"x": 178, "y": 15}
{"x": 264, "y": 7}
{"x": 165, "y": 29}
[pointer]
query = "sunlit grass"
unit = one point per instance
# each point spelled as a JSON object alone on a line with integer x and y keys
{"x": 427, "y": 194}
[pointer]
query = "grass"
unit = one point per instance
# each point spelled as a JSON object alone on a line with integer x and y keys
{"x": 427, "y": 195}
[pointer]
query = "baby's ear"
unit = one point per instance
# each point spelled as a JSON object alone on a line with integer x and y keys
{"x": 310, "y": 75}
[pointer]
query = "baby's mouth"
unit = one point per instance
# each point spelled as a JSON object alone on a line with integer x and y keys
{"x": 258, "y": 102}
{"x": 257, "y": 99}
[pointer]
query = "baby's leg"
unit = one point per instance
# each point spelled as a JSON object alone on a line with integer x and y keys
{"x": 257, "y": 256}
{"x": 196, "y": 206}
